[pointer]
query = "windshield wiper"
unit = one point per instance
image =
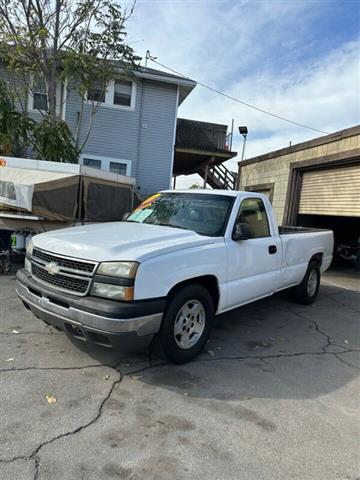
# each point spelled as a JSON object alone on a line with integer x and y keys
{"x": 159, "y": 224}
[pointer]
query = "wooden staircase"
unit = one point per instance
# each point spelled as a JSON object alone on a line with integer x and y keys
{"x": 218, "y": 177}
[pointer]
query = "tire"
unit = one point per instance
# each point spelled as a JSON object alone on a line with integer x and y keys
{"x": 307, "y": 291}
{"x": 186, "y": 323}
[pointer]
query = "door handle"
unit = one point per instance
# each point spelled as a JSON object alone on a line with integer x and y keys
{"x": 272, "y": 249}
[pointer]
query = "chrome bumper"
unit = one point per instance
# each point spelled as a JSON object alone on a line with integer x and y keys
{"x": 71, "y": 319}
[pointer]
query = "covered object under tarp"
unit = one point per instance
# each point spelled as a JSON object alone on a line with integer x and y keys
{"x": 61, "y": 193}
{"x": 51, "y": 195}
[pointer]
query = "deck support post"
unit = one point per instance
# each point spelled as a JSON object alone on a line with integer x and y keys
{"x": 206, "y": 175}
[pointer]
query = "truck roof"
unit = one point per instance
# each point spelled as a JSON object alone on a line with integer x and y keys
{"x": 229, "y": 193}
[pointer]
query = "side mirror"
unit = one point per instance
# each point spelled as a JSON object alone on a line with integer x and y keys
{"x": 125, "y": 216}
{"x": 241, "y": 231}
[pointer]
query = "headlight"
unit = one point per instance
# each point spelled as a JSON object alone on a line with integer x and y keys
{"x": 29, "y": 248}
{"x": 114, "y": 292}
{"x": 118, "y": 269}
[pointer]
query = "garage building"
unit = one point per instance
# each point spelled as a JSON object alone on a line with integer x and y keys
{"x": 312, "y": 184}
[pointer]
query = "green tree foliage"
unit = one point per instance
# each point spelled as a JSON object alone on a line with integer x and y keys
{"x": 67, "y": 45}
{"x": 54, "y": 142}
{"x": 20, "y": 134}
{"x": 15, "y": 127}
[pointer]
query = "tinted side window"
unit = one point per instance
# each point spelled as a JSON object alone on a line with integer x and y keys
{"x": 252, "y": 211}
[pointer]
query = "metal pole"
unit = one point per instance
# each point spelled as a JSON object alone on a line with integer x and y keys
{"x": 206, "y": 175}
{"x": 243, "y": 149}
{"x": 232, "y": 134}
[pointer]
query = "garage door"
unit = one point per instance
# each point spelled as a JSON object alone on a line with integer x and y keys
{"x": 333, "y": 191}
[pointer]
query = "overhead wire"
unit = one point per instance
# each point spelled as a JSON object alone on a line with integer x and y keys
{"x": 279, "y": 117}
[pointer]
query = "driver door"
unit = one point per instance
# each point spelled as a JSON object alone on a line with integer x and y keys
{"x": 253, "y": 264}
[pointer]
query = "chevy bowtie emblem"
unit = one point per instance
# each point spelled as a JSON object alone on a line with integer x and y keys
{"x": 52, "y": 268}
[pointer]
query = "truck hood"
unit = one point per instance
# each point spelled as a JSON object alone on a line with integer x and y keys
{"x": 119, "y": 241}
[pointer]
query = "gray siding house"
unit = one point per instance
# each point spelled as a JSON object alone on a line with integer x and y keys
{"x": 133, "y": 131}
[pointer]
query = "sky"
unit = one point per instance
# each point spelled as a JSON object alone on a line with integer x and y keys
{"x": 297, "y": 59}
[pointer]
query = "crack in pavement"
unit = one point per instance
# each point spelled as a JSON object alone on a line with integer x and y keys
{"x": 330, "y": 342}
{"x": 24, "y": 369}
{"x": 344, "y": 361}
{"x": 37, "y": 467}
{"x": 245, "y": 357}
{"x": 114, "y": 366}
{"x": 265, "y": 357}
{"x": 33, "y": 455}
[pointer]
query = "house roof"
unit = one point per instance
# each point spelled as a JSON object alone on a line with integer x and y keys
{"x": 186, "y": 85}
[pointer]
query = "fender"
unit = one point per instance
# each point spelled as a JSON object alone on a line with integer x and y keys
{"x": 157, "y": 276}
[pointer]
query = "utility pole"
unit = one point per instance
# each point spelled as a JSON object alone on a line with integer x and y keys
{"x": 148, "y": 57}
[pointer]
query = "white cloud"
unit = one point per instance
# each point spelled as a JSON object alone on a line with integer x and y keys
{"x": 227, "y": 45}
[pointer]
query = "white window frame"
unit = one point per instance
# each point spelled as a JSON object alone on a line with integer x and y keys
{"x": 31, "y": 99}
{"x": 109, "y": 97}
{"x": 105, "y": 162}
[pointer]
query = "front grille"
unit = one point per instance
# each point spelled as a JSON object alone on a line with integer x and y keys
{"x": 70, "y": 284}
{"x": 71, "y": 264}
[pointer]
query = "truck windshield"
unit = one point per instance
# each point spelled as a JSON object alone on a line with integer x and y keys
{"x": 205, "y": 214}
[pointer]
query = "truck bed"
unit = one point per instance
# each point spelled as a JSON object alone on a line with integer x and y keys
{"x": 285, "y": 230}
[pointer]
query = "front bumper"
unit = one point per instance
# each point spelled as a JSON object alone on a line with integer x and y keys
{"x": 95, "y": 320}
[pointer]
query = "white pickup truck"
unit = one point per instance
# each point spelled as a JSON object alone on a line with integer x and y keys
{"x": 179, "y": 259}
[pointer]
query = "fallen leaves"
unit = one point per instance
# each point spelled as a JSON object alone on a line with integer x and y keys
{"x": 50, "y": 399}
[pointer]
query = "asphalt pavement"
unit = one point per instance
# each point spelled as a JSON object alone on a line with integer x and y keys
{"x": 275, "y": 395}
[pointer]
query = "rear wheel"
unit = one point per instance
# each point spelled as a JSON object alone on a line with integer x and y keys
{"x": 307, "y": 291}
{"x": 186, "y": 324}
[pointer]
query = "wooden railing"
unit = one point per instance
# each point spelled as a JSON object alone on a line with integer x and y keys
{"x": 218, "y": 176}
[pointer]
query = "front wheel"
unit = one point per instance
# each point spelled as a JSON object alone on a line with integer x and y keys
{"x": 186, "y": 324}
{"x": 307, "y": 291}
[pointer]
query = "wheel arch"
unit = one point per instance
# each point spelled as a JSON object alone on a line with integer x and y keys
{"x": 210, "y": 282}
{"x": 317, "y": 257}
